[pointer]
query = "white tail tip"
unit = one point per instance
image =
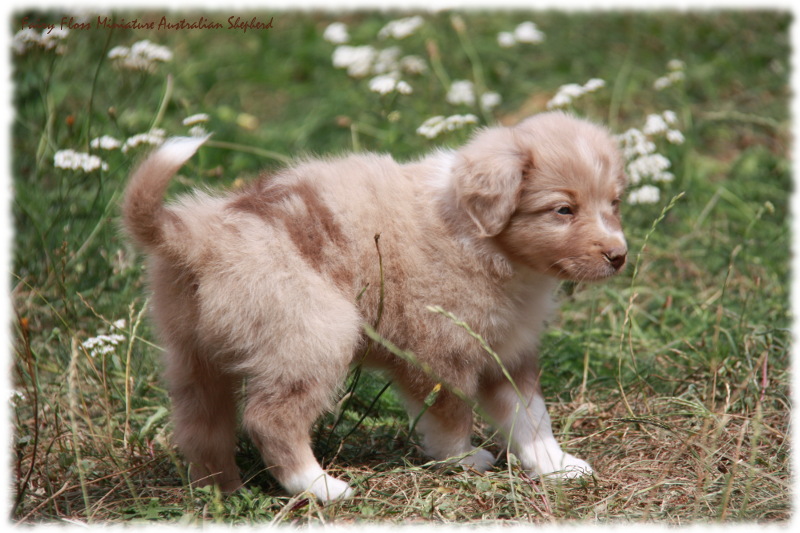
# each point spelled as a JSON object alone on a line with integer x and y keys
{"x": 178, "y": 150}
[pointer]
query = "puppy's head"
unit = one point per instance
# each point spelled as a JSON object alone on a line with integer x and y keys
{"x": 547, "y": 191}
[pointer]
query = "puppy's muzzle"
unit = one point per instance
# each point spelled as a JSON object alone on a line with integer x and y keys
{"x": 616, "y": 257}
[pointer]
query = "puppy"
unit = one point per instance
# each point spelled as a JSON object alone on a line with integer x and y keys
{"x": 272, "y": 286}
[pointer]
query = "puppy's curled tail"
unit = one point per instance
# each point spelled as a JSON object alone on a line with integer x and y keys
{"x": 143, "y": 211}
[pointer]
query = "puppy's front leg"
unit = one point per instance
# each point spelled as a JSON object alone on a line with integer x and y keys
{"x": 521, "y": 415}
{"x": 445, "y": 429}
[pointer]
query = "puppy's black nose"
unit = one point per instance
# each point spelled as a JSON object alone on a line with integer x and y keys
{"x": 616, "y": 256}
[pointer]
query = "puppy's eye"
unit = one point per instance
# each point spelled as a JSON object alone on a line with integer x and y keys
{"x": 564, "y": 210}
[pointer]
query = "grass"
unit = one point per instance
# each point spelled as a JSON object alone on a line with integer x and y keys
{"x": 672, "y": 380}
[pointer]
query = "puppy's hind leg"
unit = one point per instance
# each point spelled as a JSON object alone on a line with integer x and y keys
{"x": 298, "y": 382}
{"x": 204, "y": 417}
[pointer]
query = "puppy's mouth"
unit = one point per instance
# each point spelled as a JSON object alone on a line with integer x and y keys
{"x": 590, "y": 269}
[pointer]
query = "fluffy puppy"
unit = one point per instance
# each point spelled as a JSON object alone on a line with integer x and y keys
{"x": 271, "y": 286}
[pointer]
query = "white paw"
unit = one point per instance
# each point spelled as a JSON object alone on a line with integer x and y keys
{"x": 571, "y": 467}
{"x": 566, "y": 467}
{"x": 314, "y": 480}
{"x": 327, "y": 488}
{"x": 479, "y": 459}
{"x": 545, "y": 458}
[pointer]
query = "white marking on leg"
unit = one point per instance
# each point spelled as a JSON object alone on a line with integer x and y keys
{"x": 531, "y": 439}
{"x": 313, "y": 479}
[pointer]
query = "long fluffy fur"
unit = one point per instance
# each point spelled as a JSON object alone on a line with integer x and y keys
{"x": 274, "y": 282}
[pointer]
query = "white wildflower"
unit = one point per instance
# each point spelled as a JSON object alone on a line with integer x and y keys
{"x": 23, "y": 38}
{"x": 105, "y": 343}
{"x": 675, "y": 137}
{"x": 461, "y": 92}
{"x": 593, "y": 85}
{"x": 660, "y": 125}
{"x": 675, "y": 65}
{"x": 72, "y": 160}
{"x": 646, "y": 194}
{"x": 572, "y": 91}
{"x": 386, "y": 84}
{"x": 565, "y": 95}
{"x": 356, "y": 59}
{"x": 336, "y": 33}
{"x": 653, "y": 167}
{"x": 154, "y": 137}
{"x": 655, "y": 125}
{"x": 387, "y": 60}
{"x": 434, "y": 126}
{"x": 490, "y": 100}
{"x": 675, "y": 75}
{"x": 527, "y": 32}
{"x": 669, "y": 80}
{"x": 634, "y": 143}
{"x": 143, "y": 55}
{"x": 404, "y": 88}
{"x": 49, "y": 39}
{"x": 413, "y": 65}
{"x": 506, "y": 39}
{"x": 670, "y": 117}
{"x": 401, "y": 28}
{"x": 105, "y": 142}
{"x": 196, "y": 119}
{"x": 52, "y": 39}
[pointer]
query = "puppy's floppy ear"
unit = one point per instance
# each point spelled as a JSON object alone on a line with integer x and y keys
{"x": 488, "y": 178}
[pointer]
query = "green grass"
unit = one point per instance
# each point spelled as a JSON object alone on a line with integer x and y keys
{"x": 671, "y": 380}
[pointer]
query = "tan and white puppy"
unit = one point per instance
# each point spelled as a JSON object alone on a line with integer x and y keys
{"x": 271, "y": 286}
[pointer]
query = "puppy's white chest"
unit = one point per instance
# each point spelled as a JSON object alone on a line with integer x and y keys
{"x": 530, "y": 306}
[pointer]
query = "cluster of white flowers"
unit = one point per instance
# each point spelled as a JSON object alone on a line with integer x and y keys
{"x": 153, "y": 137}
{"x": 106, "y": 142}
{"x": 434, "y": 126}
{"x": 413, "y": 64}
{"x": 675, "y": 75}
{"x": 646, "y": 194}
{"x": 527, "y": 32}
{"x": 336, "y": 33}
{"x": 105, "y": 343}
{"x": 356, "y": 59}
{"x": 490, "y": 100}
{"x": 462, "y": 92}
{"x": 387, "y": 65}
{"x": 571, "y": 91}
{"x": 644, "y": 163}
{"x": 365, "y": 60}
{"x": 48, "y": 39}
{"x": 401, "y": 28}
{"x": 72, "y": 160}
{"x": 387, "y": 83}
{"x": 143, "y": 55}
{"x": 661, "y": 125}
